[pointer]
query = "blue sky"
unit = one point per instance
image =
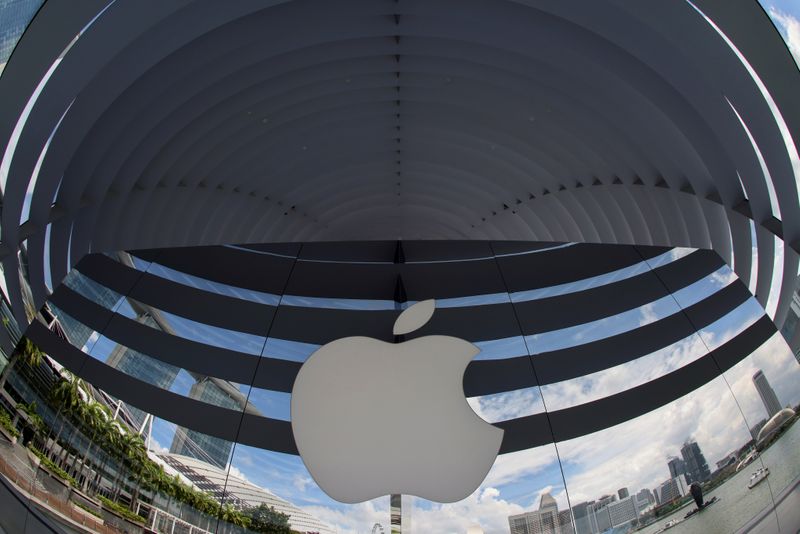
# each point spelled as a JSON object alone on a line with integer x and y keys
{"x": 593, "y": 465}
{"x": 786, "y": 16}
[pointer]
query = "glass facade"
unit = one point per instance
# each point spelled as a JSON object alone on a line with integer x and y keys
{"x": 613, "y": 414}
{"x": 15, "y": 16}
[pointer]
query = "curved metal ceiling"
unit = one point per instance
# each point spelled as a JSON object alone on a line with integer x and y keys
{"x": 190, "y": 122}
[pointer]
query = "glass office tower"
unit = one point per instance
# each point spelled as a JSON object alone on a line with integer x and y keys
{"x": 15, "y": 14}
{"x": 210, "y": 449}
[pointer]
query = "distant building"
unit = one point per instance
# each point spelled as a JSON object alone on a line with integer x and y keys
{"x": 240, "y": 493}
{"x": 766, "y": 393}
{"x": 673, "y": 488}
{"x": 676, "y": 467}
{"x": 585, "y": 521}
{"x": 756, "y": 428}
{"x": 696, "y": 466}
{"x": 78, "y": 333}
{"x": 623, "y": 511}
{"x": 645, "y": 495}
{"x": 546, "y": 520}
{"x": 15, "y": 14}
{"x": 778, "y": 421}
{"x": 601, "y": 515}
{"x": 729, "y": 459}
{"x": 622, "y": 493}
{"x": 198, "y": 445}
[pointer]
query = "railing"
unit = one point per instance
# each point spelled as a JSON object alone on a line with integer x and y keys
{"x": 166, "y": 523}
{"x": 52, "y": 501}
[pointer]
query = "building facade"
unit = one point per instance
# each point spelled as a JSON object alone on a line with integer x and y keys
{"x": 15, "y": 16}
{"x": 697, "y": 469}
{"x": 546, "y": 520}
{"x": 771, "y": 403}
{"x": 211, "y": 449}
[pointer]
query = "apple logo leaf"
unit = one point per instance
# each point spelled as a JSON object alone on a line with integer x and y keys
{"x": 414, "y": 317}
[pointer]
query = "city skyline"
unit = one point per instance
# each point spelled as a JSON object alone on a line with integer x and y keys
{"x": 518, "y": 474}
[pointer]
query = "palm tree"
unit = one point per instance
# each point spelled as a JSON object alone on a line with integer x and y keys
{"x": 27, "y": 353}
{"x": 66, "y": 395}
{"x": 95, "y": 417}
{"x": 109, "y": 439}
{"x": 133, "y": 453}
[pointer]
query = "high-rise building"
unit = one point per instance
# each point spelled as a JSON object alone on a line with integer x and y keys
{"x": 623, "y": 511}
{"x": 585, "y": 521}
{"x": 546, "y": 520}
{"x": 77, "y": 332}
{"x": 211, "y": 449}
{"x": 672, "y": 489}
{"x": 767, "y": 394}
{"x": 602, "y": 517}
{"x": 622, "y": 493}
{"x": 696, "y": 466}
{"x": 645, "y": 495}
{"x": 15, "y": 14}
{"x": 142, "y": 367}
{"x": 676, "y": 467}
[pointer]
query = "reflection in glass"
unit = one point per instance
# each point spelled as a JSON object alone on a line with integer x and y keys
{"x": 513, "y": 493}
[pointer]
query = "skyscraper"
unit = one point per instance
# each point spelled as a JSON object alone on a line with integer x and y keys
{"x": 142, "y": 367}
{"x": 622, "y": 493}
{"x": 676, "y": 466}
{"x": 546, "y": 520}
{"x": 15, "y": 14}
{"x": 210, "y": 449}
{"x": 77, "y": 332}
{"x": 767, "y": 394}
{"x": 696, "y": 466}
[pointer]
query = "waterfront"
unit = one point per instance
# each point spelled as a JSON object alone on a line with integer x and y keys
{"x": 737, "y": 505}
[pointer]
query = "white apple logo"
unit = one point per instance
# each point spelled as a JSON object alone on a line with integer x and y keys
{"x": 373, "y": 418}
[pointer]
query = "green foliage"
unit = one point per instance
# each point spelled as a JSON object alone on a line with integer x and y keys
{"x": 31, "y": 354}
{"x": 33, "y": 416}
{"x": 120, "y": 510}
{"x": 53, "y": 468}
{"x": 86, "y": 508}
{"x": 267, "y": 520}
{"x": 5, "y": 422}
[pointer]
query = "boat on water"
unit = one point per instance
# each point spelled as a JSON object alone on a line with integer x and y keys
{"x": 671, "y": 523}
{"x": 757, "y": 477}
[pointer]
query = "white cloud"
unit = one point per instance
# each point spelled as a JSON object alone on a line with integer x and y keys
{"x": 301, "y": 482}
{"x": 649, "y": 314}
{"x": 233, "y": 470}
{"x": 790, "y": 29}
{"x": 507, "y": 405}
{"x": 353, "y": 519}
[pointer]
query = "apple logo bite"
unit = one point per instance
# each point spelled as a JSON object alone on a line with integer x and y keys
{"x": 373, "y": 418}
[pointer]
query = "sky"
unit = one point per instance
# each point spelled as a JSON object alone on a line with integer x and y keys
{"x": 786, "y": 16}
{"x": 633, "y": 454}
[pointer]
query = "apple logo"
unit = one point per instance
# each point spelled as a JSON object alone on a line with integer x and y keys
{"x": 373, "y": 418}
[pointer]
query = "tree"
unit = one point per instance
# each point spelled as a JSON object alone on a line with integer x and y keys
{"x": 66, "y": 395}
{"x": 34, "y": 422}
{"x": 267, "y": 520}
{"x": 27, "y": 352}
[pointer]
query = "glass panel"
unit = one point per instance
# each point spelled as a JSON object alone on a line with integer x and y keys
{"x": 209, "y": 285}
{"x": 640, "y": 473}
{"x": 765, "y": 386}
{"x": 260, "y": 479}
{"x": 523, "y": 492}
{"x": 193, "y": 330}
